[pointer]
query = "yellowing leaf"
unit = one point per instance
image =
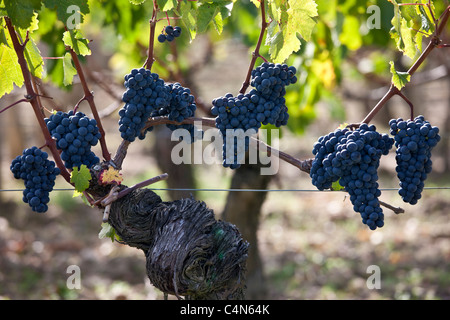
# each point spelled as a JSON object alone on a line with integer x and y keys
{"x": 111, "y": 176}
{"x": 325, "y": 72}
{"x": 296, "y": 17}
{"x": 257, "y": 3}
{"x": 10, "y": 72}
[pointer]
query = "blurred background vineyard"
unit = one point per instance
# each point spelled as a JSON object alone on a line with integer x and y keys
{"x": 304, "y": 244}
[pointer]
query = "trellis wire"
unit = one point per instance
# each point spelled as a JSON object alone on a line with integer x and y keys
{"x": 234, "y": 190}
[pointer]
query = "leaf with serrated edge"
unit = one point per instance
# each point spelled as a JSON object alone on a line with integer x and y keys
{"x": 21, "y": 12}
{"x": 34, "y": 59}
{"x": 189, "y": 18}
{"x": 137, "y": 2}
{"x": 108, "y": 231}
{"x": 80, "y": 178}
{"x": 67, "y": 10}
{"x": 166, "y": 5}
{"x": 10, "y": 72}
{"x": 69, "y": 69}
{"x": 75, "y": 40}
{"x": 299, "y": 18}
{"x": 399, "y": 79}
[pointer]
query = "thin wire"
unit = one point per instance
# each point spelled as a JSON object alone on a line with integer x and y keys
{"x": 237, "y": 190}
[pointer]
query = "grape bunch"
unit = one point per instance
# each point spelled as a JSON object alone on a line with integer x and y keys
{"x": 75, "y": 134}
{"x": 38, "y": 174}
{"x": 169, "y": 33}
{"x": 236, "y": 118}
{"x": 414, "y": 141}
{"x": 270, "y": 81}
{"x": 264, "y": 104}
{"x": 353, "y": 158}
{"x": 145, "y": 93}
{"x": 181, "y": 106}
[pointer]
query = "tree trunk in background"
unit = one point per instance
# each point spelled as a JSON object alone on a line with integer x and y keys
{"x": 180, "y": 176}
{"x": 243, "y": 209}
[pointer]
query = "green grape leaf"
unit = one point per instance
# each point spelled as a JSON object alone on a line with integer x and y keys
{"x": 213, "y": 11}
{"x": 3, "y": 39}
{"x": 218, "y": 23}
{"x": 166, "y": 5}
{"x": 10, "y": 72}
{"x": 205, "y": 15}
{"x": 336, "y": 186}
{"x": 427, "y": 23}
{"x": 69, "y": 69}
{"x": 257, "y": 3}
{"x": 69, "y": 12}
{"x": 34, "y": 59}
{"x": 75, "y": 40}
{"x": 137, "y": 2}
{"x": 350, "y": 36}
{"x": 189, "y": 18}
{"x": 297, "y": 18}
{"x": 108, "y": 231}
{"x": 404, "y": 29}
{"x": 399, "y": 79}
{"x": 21, "y": 12}
{"x": 80, "y": 178}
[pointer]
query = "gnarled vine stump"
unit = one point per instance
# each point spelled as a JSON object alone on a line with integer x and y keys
{"x": 189, "y": 253}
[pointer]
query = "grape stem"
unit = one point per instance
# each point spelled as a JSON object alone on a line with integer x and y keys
{"x": 256, "y": 53}
{"x": 31, "y": 97}
{"x": 114, "y": 194}
{"x": 13, "y": 104}
{"x": 435, "y": 42}
{"x": 89, "y": 97}
{"x": 396, "y": 210}
{"x": 150, "y": 59}
{"x": 303, "y": 165}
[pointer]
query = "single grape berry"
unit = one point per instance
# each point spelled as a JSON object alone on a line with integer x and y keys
{"x": 162, "y": 38}
{"x": 176, "y": 31}
{"x": 168, "y": 30}
{"x": 170, "y": 37}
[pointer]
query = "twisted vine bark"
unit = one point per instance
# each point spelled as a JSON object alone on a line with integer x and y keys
{"x": 189, "y": 253}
